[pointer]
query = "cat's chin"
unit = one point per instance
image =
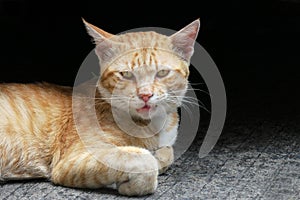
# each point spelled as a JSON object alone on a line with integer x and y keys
{"x": 144, "y": 114}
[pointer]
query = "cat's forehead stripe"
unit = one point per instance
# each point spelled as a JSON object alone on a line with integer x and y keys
{"x": 144, "y": 57}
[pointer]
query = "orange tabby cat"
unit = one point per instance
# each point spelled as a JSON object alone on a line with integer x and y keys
{"x": 143, "y": 79}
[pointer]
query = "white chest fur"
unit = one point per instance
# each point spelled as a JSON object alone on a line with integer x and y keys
{"x": 168, "y": 138}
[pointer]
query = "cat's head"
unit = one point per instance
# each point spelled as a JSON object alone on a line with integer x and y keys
{"x": 142, "y": 72}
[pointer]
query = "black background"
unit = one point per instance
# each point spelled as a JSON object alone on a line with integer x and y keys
{"x": 255, "y": 45}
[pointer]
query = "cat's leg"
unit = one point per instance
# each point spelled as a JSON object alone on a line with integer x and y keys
{"x": 165, "y": 157}
{"x": 134, "y": 170}
{"x": 19, "y": 160}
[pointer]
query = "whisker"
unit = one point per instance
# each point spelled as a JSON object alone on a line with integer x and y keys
{"x": 202, "y": 83}
{"x": 192, "y": 89}
{"x": 188, "y": 110}
{"x": 194, "y": 100}
{"x": 195, "y": 104}
{"x": 187, "y": 100}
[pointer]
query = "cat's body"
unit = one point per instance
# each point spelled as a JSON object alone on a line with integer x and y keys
{"x": 37, "y": 128}
{"x": 44, "y": 134}
{"x": 30, "y": 128}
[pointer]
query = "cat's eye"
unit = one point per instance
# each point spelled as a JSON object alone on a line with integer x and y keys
{"x": 162, "y": 73}
{"x": 127, "y": 75}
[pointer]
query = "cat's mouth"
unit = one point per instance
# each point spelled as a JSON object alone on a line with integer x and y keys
{"x": 145, "y": 108}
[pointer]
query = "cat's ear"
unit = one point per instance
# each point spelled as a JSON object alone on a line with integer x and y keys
{"x": 183, "y": 41}
{"x": 96, "y": 33}
{"x": 105, "y": 47}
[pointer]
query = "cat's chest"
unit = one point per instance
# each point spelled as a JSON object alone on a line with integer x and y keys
{"x": 164, "y": 138}
{"x": 168, "y": 136}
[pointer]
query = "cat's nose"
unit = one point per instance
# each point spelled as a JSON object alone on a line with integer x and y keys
{"x": 145, "y": 97}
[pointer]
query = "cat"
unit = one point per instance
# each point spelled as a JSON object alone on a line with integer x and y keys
{"x": 143, "y": 78}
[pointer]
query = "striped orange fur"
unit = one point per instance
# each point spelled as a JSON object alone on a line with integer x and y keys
{"x": 142, "y": 74}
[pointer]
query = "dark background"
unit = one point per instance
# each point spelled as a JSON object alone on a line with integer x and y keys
{"x": 255, "y": 45}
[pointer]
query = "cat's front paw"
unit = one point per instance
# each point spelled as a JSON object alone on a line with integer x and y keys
{"x": 165, "y": 157}
{"x": 139, "y": 171}
{"x": 139, "y": 184}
